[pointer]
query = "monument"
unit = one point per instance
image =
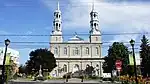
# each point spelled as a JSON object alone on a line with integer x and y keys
{"x": 40, "y": 76}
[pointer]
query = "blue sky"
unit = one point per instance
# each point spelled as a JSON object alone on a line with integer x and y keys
{"x": 30, "y": 17}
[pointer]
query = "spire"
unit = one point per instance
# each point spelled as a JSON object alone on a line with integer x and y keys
{"x": 93, "y": 5}
{"x": 58, "y": 5}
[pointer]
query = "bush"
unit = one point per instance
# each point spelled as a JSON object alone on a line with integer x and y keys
{"x": 49, "y": 77}
{"x": 15, "y": 76}
{"x": 67, "y": 76}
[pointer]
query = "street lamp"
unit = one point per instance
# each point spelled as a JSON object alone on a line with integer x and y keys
{"x": 132, "y": 42}
{"x": 7, "y": 42}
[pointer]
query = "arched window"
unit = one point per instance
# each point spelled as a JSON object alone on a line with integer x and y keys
{"x": 76, "y": 66}
{"x": 95, "y": 24}
{"x": 65, "y": 68}
{"x": 55, "y": 72}
{"x": 59, "y": 25}
{"x": 56, "y": 24}
{"x": 59, "y": 16}
{"x": 56, "y": 15}
{"x": 87, "y": 51}
{"x": 97, "y": 65}
{"x": 94, "y": 15}
{"x": 92, "y": 24}
{"x": 56, "y": 51}
{"x": 65, "y": 50}
{"x": 76, "y": 51}
{"x": 96, "y": 49}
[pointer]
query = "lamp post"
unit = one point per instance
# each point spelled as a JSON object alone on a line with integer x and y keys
{"x": 7, "y": 41}
{"x": 132, "y": 42}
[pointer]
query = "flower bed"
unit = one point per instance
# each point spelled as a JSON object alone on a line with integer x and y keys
{"x": 131, "y": 80}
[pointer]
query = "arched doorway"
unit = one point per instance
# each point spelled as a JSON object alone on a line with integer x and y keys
{"x": 65, "y": 68}
{"x": 75, "y": 68}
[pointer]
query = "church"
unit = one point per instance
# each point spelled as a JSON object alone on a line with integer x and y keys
{"x": 76, "y": 53}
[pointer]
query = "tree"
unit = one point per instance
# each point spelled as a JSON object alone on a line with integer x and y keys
{"x": 22, "y": 69}
{"x": 144, "y": 53}
{"x": 89, "y": 70}
{"x": 118, "y": 51}
{"x": 41, "y": 57}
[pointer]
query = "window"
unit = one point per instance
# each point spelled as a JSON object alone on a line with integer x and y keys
{"x": 56, "y": 38}
{"x": 96, "y": 38}
{"x": 56, "y": 24}
{"x": 59, "y": 25}
{"x": 65, "y": 68}
{"x": 65, "y": 50}
{"x": 56, "y": 15}
{"x": 87, "y": 51}
{"x": 97, "y": 51}
{"x": 95, "y": 24}
{"x": 76, "y": 51}
{"x": 92, "y": 24}
{"x": 94, "y": 15}
{"x": 56, "y": 72}
{"x": 56, "y": 51}
{"x": 97, "y": 65}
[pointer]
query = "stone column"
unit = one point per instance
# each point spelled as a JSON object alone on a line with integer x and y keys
{"x": 101, "y": 69}
{"x": 68, "y": 67}
{"x": 81, "y": 51}
{"x": 91, "y": 51}
{"x": 59, "y": 51}
{"x": 58, "y": 69}
{"x": 81, "y": 65}
{"x": 69, "y": 51}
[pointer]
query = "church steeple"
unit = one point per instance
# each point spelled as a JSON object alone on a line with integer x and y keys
{"x": 94, "y": 23}
{"x": 93, "y": 6}
{"x": 58, "y": 5}
{"x": 57, "y": 26}
{"x": 95, "y": 34}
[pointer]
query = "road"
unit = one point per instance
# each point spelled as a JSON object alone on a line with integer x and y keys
{"x": 61, "y": 81}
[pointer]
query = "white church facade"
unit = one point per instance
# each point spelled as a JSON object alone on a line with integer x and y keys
{"x": 76, "y": 54}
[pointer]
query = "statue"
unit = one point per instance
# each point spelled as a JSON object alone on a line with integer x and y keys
{"x": 40, "y": 76}
{"x": 40, "y": 72}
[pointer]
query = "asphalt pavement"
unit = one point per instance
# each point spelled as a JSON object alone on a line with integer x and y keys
{"x": 61, "y": 81}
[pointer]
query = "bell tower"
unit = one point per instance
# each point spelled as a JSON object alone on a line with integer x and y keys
{"x": 95, "y": 33}
{"x": 56, "y": 35}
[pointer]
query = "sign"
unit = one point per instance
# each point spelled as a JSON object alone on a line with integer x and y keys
{"x": 118, "y": 65}
{"x": 137, "y": 59}
{"x": 131, "y": 61}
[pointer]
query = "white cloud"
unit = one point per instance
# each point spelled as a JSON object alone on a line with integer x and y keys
{"x": 114, "y": 17}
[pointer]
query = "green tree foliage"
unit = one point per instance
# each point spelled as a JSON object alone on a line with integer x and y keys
{"x": 89, "y": 70}
{"x": 22, "y": 69}
{"x": 40, "y": 57}
{"x": 118, "y": 51}
{"x": 145, "y": 55}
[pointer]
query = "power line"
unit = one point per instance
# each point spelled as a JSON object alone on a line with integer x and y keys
{"x": 73, "y": 34}
{"x": 46, "y": 46}
{"x": 62, "y": 43}
{"x": 73, "y": 4}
